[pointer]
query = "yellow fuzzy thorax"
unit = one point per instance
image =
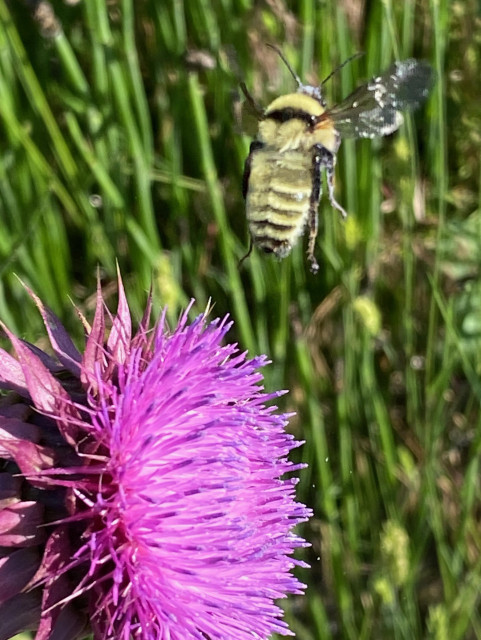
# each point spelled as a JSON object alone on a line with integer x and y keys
{"x": 295, "y": 134}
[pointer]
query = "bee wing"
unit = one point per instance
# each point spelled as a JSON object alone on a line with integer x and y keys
{"x": 374, "y": 109}
{"x": 248, "y": 113}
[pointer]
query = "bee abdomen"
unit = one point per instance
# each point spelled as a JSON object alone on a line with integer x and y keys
{"x": 278, "y": 199}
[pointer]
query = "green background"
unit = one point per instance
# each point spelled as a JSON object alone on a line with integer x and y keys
{"x": 123, "y": 138}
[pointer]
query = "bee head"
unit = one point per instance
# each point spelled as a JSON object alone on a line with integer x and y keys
{"x": 307, "y": 89}
{"x": 314, "y": 92}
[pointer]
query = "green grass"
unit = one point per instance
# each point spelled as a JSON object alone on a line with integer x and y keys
{"x": 113, "y": 147}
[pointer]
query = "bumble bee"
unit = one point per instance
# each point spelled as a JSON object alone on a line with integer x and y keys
{"x": 298, "y": 139}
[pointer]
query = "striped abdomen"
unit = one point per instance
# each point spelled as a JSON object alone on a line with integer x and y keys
{"x": 278, "y": 196}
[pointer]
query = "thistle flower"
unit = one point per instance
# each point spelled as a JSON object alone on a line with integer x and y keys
{"x": 142, "y": 488}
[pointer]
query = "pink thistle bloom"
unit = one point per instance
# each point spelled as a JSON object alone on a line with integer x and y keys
{"x": 142, "y": 489}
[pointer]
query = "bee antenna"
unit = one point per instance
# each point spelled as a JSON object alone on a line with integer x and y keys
{"x": 343, "y": 64}
{"x": 284, "y": 60}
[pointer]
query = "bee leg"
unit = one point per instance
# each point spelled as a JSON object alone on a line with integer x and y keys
{"x": 251, "y": 245}
{"x": 329, "y": 166}
{"x": 255, "y": 146}
{"x": 317, "y": 164}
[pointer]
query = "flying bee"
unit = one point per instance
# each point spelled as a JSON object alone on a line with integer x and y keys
{"x": 298, "y": 139}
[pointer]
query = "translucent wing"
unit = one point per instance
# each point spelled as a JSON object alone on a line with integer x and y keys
{"x": 248, "y": 113}
{"x": 374, "y": 109}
